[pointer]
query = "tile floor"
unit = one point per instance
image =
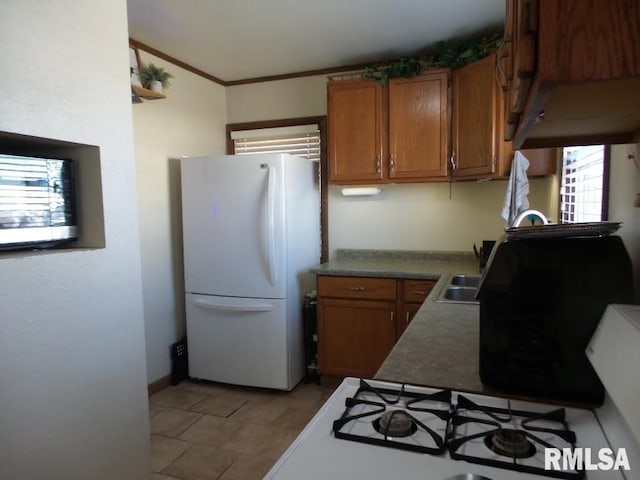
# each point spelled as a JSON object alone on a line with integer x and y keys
{"x": 210, "y": 431}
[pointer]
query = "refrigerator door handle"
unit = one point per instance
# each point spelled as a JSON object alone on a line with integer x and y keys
{"x": 271, "y": 226}
{"x": 213, "y": 305}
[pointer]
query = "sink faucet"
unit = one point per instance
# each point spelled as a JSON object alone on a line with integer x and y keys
{"x": 530, "y": 215}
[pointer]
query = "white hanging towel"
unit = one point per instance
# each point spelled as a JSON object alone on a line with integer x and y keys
{"x": 515, "y": 201}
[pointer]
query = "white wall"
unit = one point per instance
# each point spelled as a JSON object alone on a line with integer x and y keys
{"x": 293, "y": 98}
{"x": 413, "y": 216}
{"x": 72, "y": 369}
{"x": 624, "y": 188}
{"x": 423, "y": 217}
{"x": 190, "y": 121}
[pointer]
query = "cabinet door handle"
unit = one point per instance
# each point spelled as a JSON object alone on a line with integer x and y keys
{"x": 378, "y": 163}
{"x": 406, "y": 319}
{"x": 392, "y": 316}
{"x": 453, "y": 160}
{"x": 392, "y": 164}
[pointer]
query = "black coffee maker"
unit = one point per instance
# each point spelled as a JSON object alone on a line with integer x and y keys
{"x": 483, "y": 254}
{"x": 540, "y": 302}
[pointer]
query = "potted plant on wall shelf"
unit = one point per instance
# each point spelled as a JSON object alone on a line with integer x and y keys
{"x": 154, "y": 78}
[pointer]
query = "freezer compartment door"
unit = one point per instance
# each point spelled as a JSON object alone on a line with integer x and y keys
{"x": 233, "y": 225}
{"x": 239, "y": 341}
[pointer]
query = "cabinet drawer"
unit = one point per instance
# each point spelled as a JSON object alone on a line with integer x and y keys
{"x": 415, "y": 291}
{"x": 357, "y": 287}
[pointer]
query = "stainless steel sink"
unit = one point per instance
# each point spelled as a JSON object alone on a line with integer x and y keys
{"x": 460, "y": 289}
{"x": 466, "y": 280}
{"x": 460, "y": 294}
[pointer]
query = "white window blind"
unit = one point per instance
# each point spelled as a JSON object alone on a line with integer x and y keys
{"x": 300, "y": 140}
{"x": 582, "y": 184}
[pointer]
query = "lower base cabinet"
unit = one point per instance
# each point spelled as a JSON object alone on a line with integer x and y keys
{"x": 411, "y": 295}
{"x": 354, "y": 336}
{"x": 360, "y": 320}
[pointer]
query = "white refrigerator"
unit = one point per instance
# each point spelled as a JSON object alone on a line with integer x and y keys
{"x": 251, "y": 230}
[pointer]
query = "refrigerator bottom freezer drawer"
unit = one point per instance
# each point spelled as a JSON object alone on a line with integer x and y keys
{"x": 242, "y": 341}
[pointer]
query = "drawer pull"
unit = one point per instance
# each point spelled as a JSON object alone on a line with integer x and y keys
{"x": 419, "y": 292}
{"x": 357, "y": 289}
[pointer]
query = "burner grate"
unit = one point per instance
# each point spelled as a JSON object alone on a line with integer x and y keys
{"x": 372, "y": 414}
{"x": 509, "y": 439}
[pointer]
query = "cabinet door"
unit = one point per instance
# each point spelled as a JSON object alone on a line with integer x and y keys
{"x": 405, "y": 315}
{"x": 522, "y": 18}
{"x": 354, "y": 336}
{"x": 418, "y": 126}
{"x": 357, "y": 131}
{"x": 413, "y": 294}
{"x": 475, "y": 102}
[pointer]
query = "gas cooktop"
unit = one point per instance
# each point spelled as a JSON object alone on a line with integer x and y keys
{"x": 374, "y": 429}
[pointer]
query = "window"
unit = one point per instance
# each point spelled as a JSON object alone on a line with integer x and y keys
{"x": 584, "y": 184}
{"x": 304, "y": 137}
{"x": 300, "y": 140}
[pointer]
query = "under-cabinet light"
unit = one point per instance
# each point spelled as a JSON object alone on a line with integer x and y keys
{"x": 360, "y": 191}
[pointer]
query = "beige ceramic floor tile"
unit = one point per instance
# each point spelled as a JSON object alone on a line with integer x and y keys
{"x": 285, "y": 438}
{"x": 252, "y": 393}
{"x": 159, "y": 476}
{"x": 220, "y": 406}
{"x": 171, "y": 422}
{"x": 176, "y": 397}
{"x": 154, "y": 409}
{"x": 253, "y": 439}
{"x": 201, "y": 462}
{"x": 211, "y": 430}
{"x": 203, "y": 387}
{"x": 262, "y": 412}
{"x": 303, "y": 397}
{"x": 248, "y": 467}
{"x": 236, "y": 432}
{"x": 294, "y": 419}
{"x": 165, "y": 450}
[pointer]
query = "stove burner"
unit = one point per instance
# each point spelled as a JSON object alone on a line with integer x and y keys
{"x": 510, "y": 443}
{"x": 416, "y": 422}
{"x": 395, "y": 423}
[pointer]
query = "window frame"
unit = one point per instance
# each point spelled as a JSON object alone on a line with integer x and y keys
{"x": 321, "y": 121}
{"x": 604, "y": 212}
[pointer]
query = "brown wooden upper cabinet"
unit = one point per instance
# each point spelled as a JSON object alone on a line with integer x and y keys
{"x": 479, "y": 150}
{"x": 571, "y": 72}
{"x": 476, "y": 139}
{"x": 397, "y": 133}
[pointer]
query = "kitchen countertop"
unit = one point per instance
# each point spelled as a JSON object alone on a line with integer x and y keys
{"x": 440, "y": 347}
{"x": 397, "y": 264}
